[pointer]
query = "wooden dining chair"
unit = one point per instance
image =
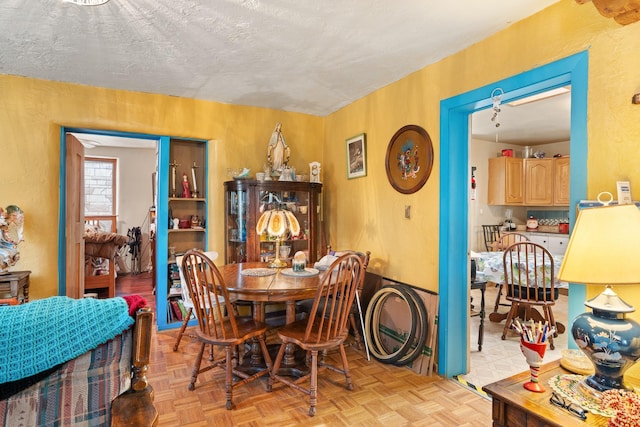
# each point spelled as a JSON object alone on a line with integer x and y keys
{"x": 529, "y": 280}
{"x": 503, "y": 242}
{"x": 186, "y": 299}
{"x": 356, "y": 325}
{"x": 491, "y": 234}
{"x": 305, "y": 305}
{"x": 218, "y": 324}
{"x": 481, "y": 285}
{"x": 508, "y": 239}
{"x": 326, "y": 328}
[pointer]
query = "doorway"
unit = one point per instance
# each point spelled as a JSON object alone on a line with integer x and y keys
{"x": 136, "y": 155}
{"x": 454, "y": 159}
{"x": 539, "y": 124}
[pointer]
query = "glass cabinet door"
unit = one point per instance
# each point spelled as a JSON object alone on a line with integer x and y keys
{"x": 247, "y": 199}
{"x": 296, "y": 202}
{"x": 236, "y": 208}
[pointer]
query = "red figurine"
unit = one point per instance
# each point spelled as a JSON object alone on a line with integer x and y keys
{"x": 186, "y": 191}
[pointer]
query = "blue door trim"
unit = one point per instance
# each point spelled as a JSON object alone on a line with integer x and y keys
{"x": 62, "y": 226}
{"x": 454, "y": 176}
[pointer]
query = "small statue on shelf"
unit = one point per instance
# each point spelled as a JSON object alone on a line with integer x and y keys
{"x": 278, "y": 151}
{"x": 186, "y": 190}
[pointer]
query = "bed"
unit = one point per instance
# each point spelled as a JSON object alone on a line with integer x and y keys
{"x": 59, "y": 381}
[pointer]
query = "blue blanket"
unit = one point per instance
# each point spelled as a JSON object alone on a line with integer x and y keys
{"x": 44, "y": 333}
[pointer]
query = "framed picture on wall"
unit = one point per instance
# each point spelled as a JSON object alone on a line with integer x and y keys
{"x": 356, "y": 156}
{"x": 409, "y": 159}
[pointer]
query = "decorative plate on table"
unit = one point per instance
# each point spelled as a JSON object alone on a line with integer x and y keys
{"x": 306, "y": 272}
{"x": 568, "y": 386}
{"x": 258, "y": 272}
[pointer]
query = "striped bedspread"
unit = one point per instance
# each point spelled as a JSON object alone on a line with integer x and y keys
{"x": 77, "y": 394}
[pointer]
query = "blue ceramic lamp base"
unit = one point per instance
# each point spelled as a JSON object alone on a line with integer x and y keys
{"x": 610, "y": 341}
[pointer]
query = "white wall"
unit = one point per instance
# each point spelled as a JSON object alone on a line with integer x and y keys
{"x": 135, "y": 194}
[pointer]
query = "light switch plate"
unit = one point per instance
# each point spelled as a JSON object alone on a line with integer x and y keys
{"x": 624, "y": 193}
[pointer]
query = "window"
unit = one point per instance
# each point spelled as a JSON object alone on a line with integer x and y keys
{"x": 100, "y": 191}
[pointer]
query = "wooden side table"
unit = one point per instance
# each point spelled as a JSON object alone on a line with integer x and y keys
{"x": 514, "y": 406}
{"x": 15, "y": 285}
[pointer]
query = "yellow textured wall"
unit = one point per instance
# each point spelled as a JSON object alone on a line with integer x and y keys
{"x": 367, "y": 213}
{"x": 32, "y": 111}
{"x": 364, "y": 213}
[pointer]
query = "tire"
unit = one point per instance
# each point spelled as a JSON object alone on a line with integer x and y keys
{"x": 415, "y": 349}
{"x": 372, "y": 322}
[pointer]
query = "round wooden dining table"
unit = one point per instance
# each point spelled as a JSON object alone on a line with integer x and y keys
{"x": 259, "y": 284}
{"x": 256, "y": 282}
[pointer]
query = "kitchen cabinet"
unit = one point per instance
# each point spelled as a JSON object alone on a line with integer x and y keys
{"x": 554, "y": 243}
{"x": 562, "y": 178}
{"x": 506, "y": 181}
{"x": 180, "y": 219}
{"x": 529, "y": 182}
{"x": 246, "y": 199}
{"x": 538, "y": 181}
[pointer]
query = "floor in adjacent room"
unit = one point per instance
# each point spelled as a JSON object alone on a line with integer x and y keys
{"x": 500, "y": 359}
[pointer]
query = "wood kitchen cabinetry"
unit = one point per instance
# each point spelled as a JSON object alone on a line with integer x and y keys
{"x": 554, "y": 243}
{"x": 562, "y": 178}
{"x": 529, "y": 182}
{"x": 538, "y": 182}
{"x": 246, "y": 199}
{"x": 506, "y": 181}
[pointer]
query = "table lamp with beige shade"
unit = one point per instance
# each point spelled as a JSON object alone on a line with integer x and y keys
{"x": 604, "y": 249}
{"x": 276, "y": 223}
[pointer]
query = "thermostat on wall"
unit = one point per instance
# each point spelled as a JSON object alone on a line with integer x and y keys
{"x": 624, "y": 193}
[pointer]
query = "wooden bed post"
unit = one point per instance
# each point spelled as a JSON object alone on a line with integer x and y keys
{"x": 135, "y": 406}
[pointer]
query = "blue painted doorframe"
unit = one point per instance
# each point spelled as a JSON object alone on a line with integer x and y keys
{"x": 62, "y": 215}
{"x": 454, "y": 195}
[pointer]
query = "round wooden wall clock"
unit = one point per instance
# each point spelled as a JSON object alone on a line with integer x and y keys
{"x": 409, "y": 159}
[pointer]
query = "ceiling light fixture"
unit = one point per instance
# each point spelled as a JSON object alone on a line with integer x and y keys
{"x": 87, "y": 2}
{"x": 540, "y": 96}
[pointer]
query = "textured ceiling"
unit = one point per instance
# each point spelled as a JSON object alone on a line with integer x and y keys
{"x": 309, "y": 56}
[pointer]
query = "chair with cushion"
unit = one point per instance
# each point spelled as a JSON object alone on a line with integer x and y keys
{"x": 491, "y": 234}
{"x": 218, "y": 324}
{"x": 186, "y": 300}
{"x": 529, "y": 280}
{"x": 326, "y": 328}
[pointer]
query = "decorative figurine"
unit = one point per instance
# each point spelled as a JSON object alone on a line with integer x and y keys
{"x": 278, "y": 151}
{"x": 186, "y": 191}
{"x": 267, "y": 172}
{"x": 11, "y": 227}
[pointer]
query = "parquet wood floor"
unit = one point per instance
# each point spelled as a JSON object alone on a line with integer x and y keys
{"x": 383, "y": 395}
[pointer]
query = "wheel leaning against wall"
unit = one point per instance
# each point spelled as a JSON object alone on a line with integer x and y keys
{"x": 415, "y": 348}
{"x": 411, "y": 347}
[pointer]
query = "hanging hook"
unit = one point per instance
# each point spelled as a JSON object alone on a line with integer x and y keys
{"x": 496, "y": 97}
{"x": 497, "y": 94}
